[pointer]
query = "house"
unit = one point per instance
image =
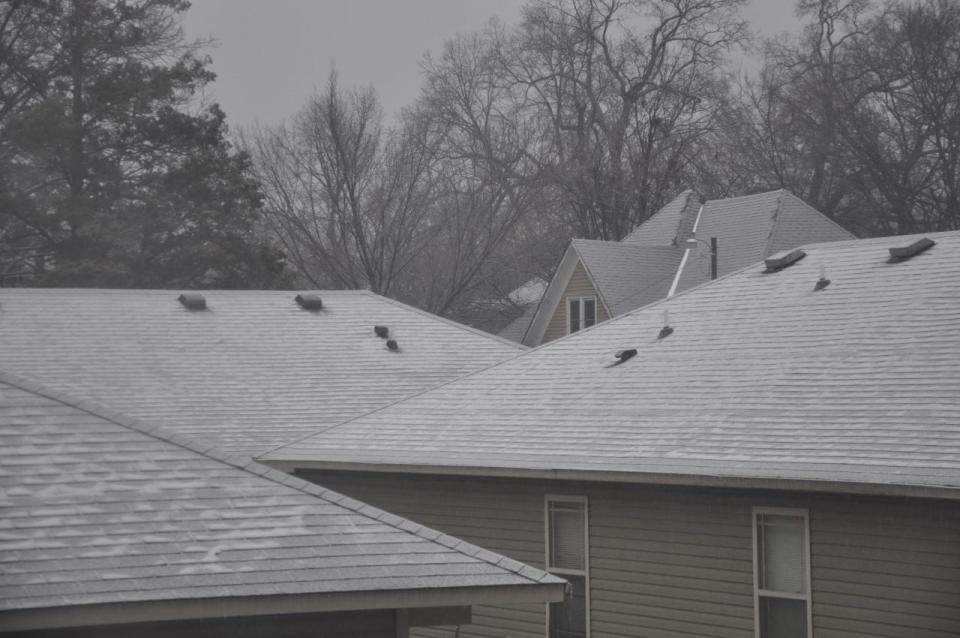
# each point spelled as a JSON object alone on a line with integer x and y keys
{"x": 245, "y": 371}
{"x": 112, "y": 527}
{"x": 775, "y": 453}
{"x": 597, "y": 280}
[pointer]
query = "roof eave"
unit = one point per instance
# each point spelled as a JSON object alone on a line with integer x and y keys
{"x": 638, "y": 477}
{"x": 240, "y": 606}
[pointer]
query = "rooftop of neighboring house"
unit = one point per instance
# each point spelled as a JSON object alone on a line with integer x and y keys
{"x": 108, "y": 519}
{"x": 655, "y": 261}
{"x": 838, "y": 372}
{"x": 248, "y": 372}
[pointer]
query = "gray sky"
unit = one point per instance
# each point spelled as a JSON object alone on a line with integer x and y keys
{"x": 273, "y": 54}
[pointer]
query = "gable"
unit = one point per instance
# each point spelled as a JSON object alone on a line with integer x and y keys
{"x": 579, "y": 285}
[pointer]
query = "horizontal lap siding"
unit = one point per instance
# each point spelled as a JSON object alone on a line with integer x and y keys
{"x": 579, "y": 286}
{"x": 668, "y": 562}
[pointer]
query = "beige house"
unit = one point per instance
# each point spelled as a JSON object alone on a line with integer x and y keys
{"x": 773, "y": 454}
{"x": 597, "y": 280}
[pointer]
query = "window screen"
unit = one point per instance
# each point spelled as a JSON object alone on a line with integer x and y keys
{"x": 567, "y": 535}
{"x": 567, "y": 557}
{"x": 783, "y": 563}
{"x": 573, "y": 314}
{"x": 589, "y": 312}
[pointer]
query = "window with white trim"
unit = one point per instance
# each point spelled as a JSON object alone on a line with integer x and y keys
{"x": 781, "y": 573}
{"x": 581, "y": 313}
{"x": 567, "y": 556}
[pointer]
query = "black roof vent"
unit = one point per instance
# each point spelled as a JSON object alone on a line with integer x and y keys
{"x": 392, "y": 345}
{"x": 193, "y": 301}
{"x": 788, "y": 259}
{"x": 823, "y": 282}
{"x": 903, "y": 253}
{"x": 309, "y": 302}
{"x": 666, "y": 330}
{"x": 626, "y": 355}
{"x": 381, "y": 331}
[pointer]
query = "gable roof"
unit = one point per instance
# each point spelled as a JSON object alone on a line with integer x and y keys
{"x": 628, "y": 276}
{"x": 100, "y": 509}
{"x": 252, "y": 371}
{"x": 751, "y": 228}
{"x": 764, "y": 382}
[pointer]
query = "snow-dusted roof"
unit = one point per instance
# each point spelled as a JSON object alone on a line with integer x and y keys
{"x": 252, "y": 371}
{"x": 101, "y": 510}
{"x": 764, "y": 381}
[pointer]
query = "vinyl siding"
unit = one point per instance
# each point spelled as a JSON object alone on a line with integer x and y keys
{"x": 678, "y": 563}
{"x": 578, "y": 286}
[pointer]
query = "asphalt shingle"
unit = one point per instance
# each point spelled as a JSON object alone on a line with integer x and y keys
{"x": 762, "y": 378}
{"x": 98, "y": 508}
{"x": 251, "y": 372}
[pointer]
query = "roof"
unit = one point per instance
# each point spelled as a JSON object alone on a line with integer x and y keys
{"x": 515, "y": 330}
{"x": 102, "y": 509}
{"x": 764, "y": 382}
{"x": 252, "y": 371}
{"x": 669, "y": 225}
{"x": 634, "y": 272}
{"x": 628, "y": 276}
{"x": 751, "y": 228}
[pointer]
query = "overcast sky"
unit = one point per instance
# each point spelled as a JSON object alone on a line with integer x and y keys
{"x": 273, "y": 54}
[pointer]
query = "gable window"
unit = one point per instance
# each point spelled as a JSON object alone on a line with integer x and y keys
{"x": 781, "y": 573}
{"x": 567, "y": 557}
{"x": 581, "y": 313}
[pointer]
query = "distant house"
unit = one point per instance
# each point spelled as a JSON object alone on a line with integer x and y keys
{"x": 245, "y": 371}
{"x": 114, "y": 528}
{"x": 597, "y": 280}
{"x": 773, "y": 454}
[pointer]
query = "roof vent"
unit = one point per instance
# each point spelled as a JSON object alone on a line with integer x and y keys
{"x": 193, "y": 301}
{"x": 903, "y": 253}
{"x": 381, "y": 331}
{"x": 788, "y": 259}
{"x": 823, "y": 282}
{"x": 625, "y": 355}
{"x": 666, "y": 330}
{"x": 392, "y": 345}
{"x": 309, "y": 302}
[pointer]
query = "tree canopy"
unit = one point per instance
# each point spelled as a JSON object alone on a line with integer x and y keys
{"x": 110, "y": 174}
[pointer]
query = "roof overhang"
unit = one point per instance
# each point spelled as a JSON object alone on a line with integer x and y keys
{"x": 240, "y": 606}
{"x": 634, "y": 477}
{"x": 553, "y": 295}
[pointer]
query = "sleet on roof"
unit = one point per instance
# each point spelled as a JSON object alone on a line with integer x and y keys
{"x": 251, "y": 372}
{"x": 628, "y": 276}
{"x": 751, "y": 228}
{"x": 98, "y": 508}
{"x": 763, "y": 379}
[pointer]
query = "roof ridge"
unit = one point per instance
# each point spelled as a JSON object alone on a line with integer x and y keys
{"x": 252, "y": 466}
{"x": 450, "y": 322}
{"x": 777, "y": 214}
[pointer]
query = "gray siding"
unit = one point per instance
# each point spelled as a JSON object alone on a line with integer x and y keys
{"x": 670, "y": 562}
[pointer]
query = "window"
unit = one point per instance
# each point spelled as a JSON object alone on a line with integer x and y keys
{"x": 581, "y": 313}
{"x": 781, "y": 573}
{"x": 567, "y": 557}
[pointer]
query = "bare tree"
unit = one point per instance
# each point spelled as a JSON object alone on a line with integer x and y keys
{"x": 348, "y": 199}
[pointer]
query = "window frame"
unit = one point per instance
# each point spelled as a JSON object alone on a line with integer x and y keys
{"x": 560, "y": 571}
{"x": 582, "y": 312}
{"x": 757, "y": 592}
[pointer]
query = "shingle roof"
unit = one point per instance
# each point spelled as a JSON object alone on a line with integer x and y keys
{"x": 753, "y": 227}
{"x": 101, "y": 509}
{"x": 251, "y": 372}
{"x": 628, "y": 276}
{"x": 668, "y": 225}
{"x": 855, "y": 386}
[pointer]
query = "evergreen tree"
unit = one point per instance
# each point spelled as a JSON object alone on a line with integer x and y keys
{"x": 110, "y": 175}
